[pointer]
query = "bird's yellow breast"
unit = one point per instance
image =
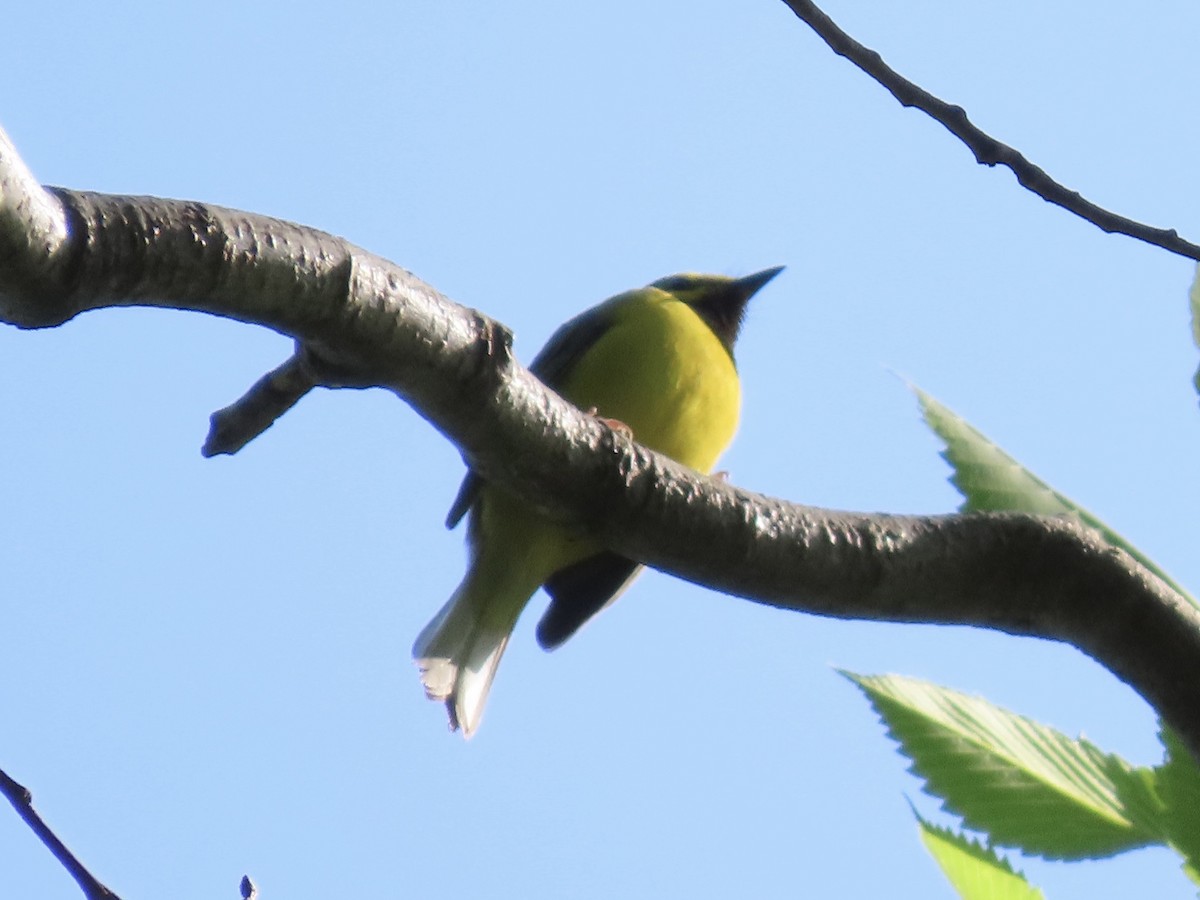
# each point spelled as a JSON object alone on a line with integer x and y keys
{"x": 660, "y": 369}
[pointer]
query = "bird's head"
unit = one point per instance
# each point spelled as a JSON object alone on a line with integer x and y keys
{"x": 718, "y": 299}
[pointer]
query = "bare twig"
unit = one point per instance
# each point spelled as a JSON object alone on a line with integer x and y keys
{"x": 988, "y": 151}
{"x": 232, "y": 428}
{"x": 22, "y": 802}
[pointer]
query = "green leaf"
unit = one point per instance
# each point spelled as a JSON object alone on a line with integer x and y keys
{"x": 1178, "y": 784}
{"x": 991, "y": 480}
{"x": 1025, "y": 785}
{"x": 976, "y": 871}
{"x": 987, "y": 477}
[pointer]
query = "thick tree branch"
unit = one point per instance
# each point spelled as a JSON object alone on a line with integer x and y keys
{"x": 988, "y": 151}
{"x": 22, "y": 802}
{"x": 367, "y": 322}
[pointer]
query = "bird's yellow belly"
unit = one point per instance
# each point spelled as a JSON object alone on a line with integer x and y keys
{"x": 661, "y": 371}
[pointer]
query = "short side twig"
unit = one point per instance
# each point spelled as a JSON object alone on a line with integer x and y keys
{"x": 232, "y": 428}
{"x": 22, "y": 802}
{"x": 988, "y": 151}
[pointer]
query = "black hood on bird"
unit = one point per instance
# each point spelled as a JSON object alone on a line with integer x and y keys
{"x": 723, "y": 307}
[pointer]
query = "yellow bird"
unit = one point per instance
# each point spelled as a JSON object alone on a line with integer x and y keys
{"x": 658, "y": 359}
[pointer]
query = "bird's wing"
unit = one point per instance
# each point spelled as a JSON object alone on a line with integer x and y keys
{"x": 573, "y": 339}
{"x": 552, "y": 365}
{"x": 580, "y": 591}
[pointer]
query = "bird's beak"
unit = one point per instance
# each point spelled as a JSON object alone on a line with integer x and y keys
{"x": 752, "y": 284}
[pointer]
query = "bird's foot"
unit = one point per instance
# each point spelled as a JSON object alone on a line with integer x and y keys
{"x": 615, "y": 424}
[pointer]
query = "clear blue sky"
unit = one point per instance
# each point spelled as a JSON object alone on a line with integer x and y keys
{"x": 206, "y": 668}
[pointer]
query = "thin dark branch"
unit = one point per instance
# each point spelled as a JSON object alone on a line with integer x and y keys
{"x": 988, "y": 151}
{"x": 22, "y": 802}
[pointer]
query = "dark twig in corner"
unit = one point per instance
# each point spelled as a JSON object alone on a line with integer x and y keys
{"x": 22, "y": 802}
{"x": 988, "y": 151}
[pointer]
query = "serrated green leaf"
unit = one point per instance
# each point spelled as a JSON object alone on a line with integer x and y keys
{"x": 1023, "y": 784}
{"x": 976, "y": 871}
{"x": 1194, "y": 304}
{"x": 987, "y": 477}
{"x": 1178, "y": 784}
{"x": 991, "y": 480}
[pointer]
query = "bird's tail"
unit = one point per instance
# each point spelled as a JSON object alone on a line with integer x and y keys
{"x": 459, "y": 650}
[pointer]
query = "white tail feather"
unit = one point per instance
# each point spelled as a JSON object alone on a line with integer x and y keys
{"x": 459, "y": 651}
